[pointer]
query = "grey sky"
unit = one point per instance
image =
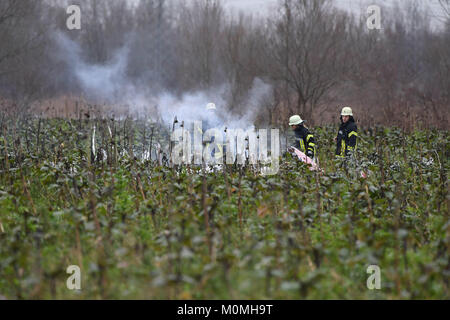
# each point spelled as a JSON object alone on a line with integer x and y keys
{"x": 255, "y": 5}
{"x": 263, "y": 7}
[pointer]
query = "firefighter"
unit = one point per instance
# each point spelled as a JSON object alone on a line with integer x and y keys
{"x": 211, "y": 118}
{"x": 347, "y": 135}
{"x": 304, "y": 140}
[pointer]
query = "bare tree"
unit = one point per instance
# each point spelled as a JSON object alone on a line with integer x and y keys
{"x": 152, "y": 50}
{"x": 242, "y": 56}
{"x": 24, "y": 36}
{"x": 200, "y": 29}
{"x": 313, "y": 56}
{"x": 445, "y": 5}
{"x": 307, "y": 48}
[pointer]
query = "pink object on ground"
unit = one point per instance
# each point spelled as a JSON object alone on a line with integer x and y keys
{"x": 304, "y": 158}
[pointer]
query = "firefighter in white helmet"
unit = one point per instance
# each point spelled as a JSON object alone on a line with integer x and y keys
{"x": 304, "y": 140}
{"x": 211, "y": 106}
{"x": 347, "y": 135}
{"x": 212, "y": 119}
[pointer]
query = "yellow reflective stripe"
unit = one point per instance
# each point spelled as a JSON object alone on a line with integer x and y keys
{"x": 342, "y": 148}
{"x": 312, "y": 144}
{"x": 302, "y": 145}
{"x": 309, "y": 136}
{"x": 351, "y": 134}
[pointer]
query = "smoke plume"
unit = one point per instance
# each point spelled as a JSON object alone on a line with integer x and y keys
{"x": 108, "y": 83}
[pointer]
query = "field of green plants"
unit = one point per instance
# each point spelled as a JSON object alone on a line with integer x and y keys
{"x": 141, "y": 230}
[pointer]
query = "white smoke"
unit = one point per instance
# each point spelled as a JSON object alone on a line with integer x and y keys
{"x": 106, "y": 80}
{"x": 109, "y": 83}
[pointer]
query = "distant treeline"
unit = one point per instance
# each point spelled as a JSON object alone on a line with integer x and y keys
{"x": 315, "y": 57}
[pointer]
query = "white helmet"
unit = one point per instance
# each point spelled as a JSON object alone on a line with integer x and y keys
{"x": 295, "y": 120}
{"x": 346, "y": 111}
{"x": 210, "y": 106}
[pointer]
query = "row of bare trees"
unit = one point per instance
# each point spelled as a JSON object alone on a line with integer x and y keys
{"x": 315, "y": 57}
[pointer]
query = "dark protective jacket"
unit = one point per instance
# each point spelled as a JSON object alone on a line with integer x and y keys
{"x": 304, "y": 141}
{"x": 346, "y": 138}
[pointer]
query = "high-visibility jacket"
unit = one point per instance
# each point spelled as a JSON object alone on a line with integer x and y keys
{"x": 347, "y": 138}
{"x": 304, "y": 141}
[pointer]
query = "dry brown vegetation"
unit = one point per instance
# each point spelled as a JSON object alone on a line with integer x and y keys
{"x": 314, "y": 57}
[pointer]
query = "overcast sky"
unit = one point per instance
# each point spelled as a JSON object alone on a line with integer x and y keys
{"x": 263, "y": 7}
